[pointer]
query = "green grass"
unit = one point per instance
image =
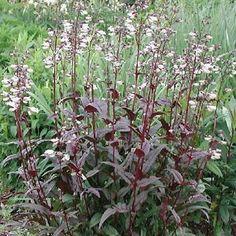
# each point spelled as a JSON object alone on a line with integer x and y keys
{"x": 222, "y": 21}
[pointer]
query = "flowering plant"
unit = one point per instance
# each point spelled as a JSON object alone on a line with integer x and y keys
{"x": 127, "y": 116}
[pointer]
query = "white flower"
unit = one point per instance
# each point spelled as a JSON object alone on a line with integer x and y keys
{"x": 192, "y": 103}
{"x": 63, "y": 8}
{"x": 66, "y": 157}
{"x": 83, "y": 13}
{"x": 101, "y": 33}
{"x": 52, "y": 2}
{"x": 215, "y": 154}
{"x": 228, "y": 90}
{"x": 208, "y": 37}
{"x": 49, "y": 153}
{"x": 152, "y": 19}
{"x": 55, "y": 141}
{"x": 211, "y": 108}
{"x": 208, "y": 138}
{"x": 130, "y": 96}
{"x": 98, "y": 48}
{"x": 192, "y": 34}
{"x": 32, "y": 110}
{"x": 67, "y": 26}
{"x": 212, "y": 96}
{"x": 207, "y": 68}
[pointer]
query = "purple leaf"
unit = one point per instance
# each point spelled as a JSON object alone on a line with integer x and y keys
{"x": 130, "y": 113}
{"x": 151, "y": 157}
{"x": 91, "y": 173}
{"x": 177, "y": 176}
{"x": 34, "y": 207}
{"x": 114, "y": 93}
{"x": 146, "y": 147}
{"x": 60, "y": 229}
{"x": 122, "y": 125}
{"x": 139, "y": 152}
{"x": 100, "y": 133}
{"x": 121, "y": 207}
{"x": 147, "y": 181}
{"x": 198, "y": 198}
{"x": 85, "y": 101}
{"x": 176, "y": 216}
{"x": 164, "y": 209}
{"x": 93, "y": 191}
{"x": 97, "y": 106}
{"x": 90, "y": 108}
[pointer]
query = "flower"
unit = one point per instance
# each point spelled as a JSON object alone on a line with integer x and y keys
{"x": 32, "y": 110}
{"x": 66, "y": 157}
{"x": 49, "y": 153}
{"x": 211, "y": 108}
{"x": 51, "y": 2}
{"x": 208, "y": 138}
{"x": 17, "y": 86}
{"x": 207, "y": 68}
{"x": 215, "y": 154}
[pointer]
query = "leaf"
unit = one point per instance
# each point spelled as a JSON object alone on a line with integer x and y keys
{"x": 198, "y": 154}
{"x": 122, "y": 125}
{"x": 164, "y": 209}
{"x": 93, "y": 191}
{"x": 126, "y": 176}
{"x": 228, "y": 118}
{"x": 212, "y": 166}
{"x": 100, "y": 133}
{"x": 110, "y": 231}
{"x": 130, "y": 113}
{"x": 92, "y": 173}
{"x": 114, "y": 93}
{"x": 121, "y": 207}
{"x": 177, "y": 176}
{"x": 151, "y": 158}
{"x": 9, "y": 158}
{"x": 13, "y": 130}
{"x": 176, "y": 216}
{"x": 42, "y": 102}
{"x": 147, "y": 181}
{"x": 146, "y": 147}
{"x": 90, "y": 108}
{"x": 108, "y": 212}
{"x": 224, "y": 213}
{"x": 59, "y": 230}
{"x": 198, "y": 198}
{"x": 95, "y": 219}
{"x": 139, "y": 153}
{"x": 140, "y": 199}
{"x": 35, "y": 207}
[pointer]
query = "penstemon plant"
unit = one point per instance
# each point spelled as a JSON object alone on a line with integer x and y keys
{"x": 127, "y": 115}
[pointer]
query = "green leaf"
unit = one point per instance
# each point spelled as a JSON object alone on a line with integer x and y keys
{"x": 212, "y": 166}
{"x": 224, "y": 213}
{"x": 13, "y": 130}
{"x": 110, "y": 231}
{"x": 95, "y": 220}
{"x": 228, "y": 118}
{"x": 68, "y": 198}
{"x": 218, "y": 229}
{"x": 43, "y": 132}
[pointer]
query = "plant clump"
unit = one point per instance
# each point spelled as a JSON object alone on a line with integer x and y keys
{"x": 127, "y": 115}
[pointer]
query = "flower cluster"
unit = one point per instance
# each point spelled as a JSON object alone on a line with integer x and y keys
{"x": 16, "y": 87}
